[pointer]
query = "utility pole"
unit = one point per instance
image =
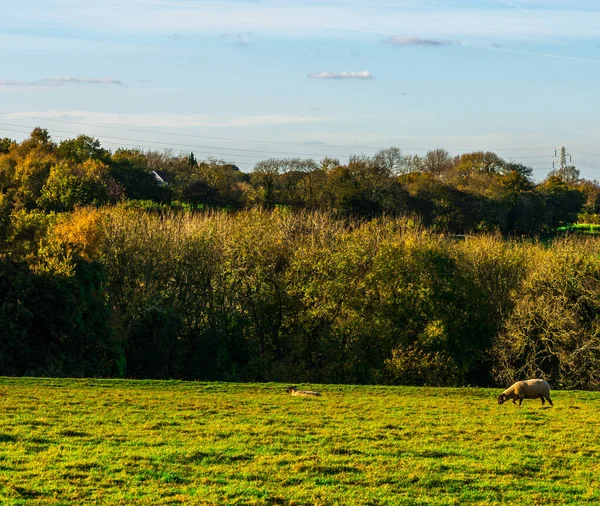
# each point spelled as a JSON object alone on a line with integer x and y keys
{"x": 562, "y": 161}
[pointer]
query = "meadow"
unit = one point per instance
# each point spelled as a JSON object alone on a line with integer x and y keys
{"x": 113, "y": 442}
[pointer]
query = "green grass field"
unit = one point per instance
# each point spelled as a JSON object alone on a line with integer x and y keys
{"x": 583, "y": 228}
{"x": 143, "y": 442}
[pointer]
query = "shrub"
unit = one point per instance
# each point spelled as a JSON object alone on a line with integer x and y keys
{"x": 554, "y": 329}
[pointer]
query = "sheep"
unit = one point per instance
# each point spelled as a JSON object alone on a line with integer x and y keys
{"x": 529, "y": 389}
{"x": 293, "y": 390}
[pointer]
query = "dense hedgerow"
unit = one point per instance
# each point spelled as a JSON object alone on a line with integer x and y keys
{"x": 278, "y": 295}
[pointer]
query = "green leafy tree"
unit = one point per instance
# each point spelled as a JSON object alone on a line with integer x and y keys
{"x": 266, "y": 177}
{"x": 82, "y": 149}
{"x": 553, "y": 330}
{"x": 69, "y": 186}
{"x": 5, "y": 144}
{"x": 365, "y": 187}
{"x": 527, "y": 215}
{"x": 563, "y": 203}
{"x": 591, "y": 190}
{"x": 130, "y": 168}
{"x": 299, "y": 183}
{"x": 39, "y": 140}
{"x": 56, "y": 325}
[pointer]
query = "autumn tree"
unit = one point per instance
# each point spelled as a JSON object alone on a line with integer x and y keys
{"x": 479, "y": 161}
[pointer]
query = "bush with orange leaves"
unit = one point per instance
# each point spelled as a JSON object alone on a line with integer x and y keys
{"x": 76, "y": 235}
{"x": 80, "y": 233}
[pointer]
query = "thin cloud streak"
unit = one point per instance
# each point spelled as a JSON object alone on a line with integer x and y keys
{"x": 81, "y": 80}
{"x": 364, "y": 74}
{"x": 61, "y": 81}
{"x": 508, "y": 4}
{"x": 398, "y": 40}
{"x": 492, "y": 47}
{"x": 170, "y": 120}
{"x": 539, "y": 19}
{"x": 533, "y": 53}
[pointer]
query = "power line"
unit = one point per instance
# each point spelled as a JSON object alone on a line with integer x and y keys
{"x": 198, "y": 149}
{"x": 262, "y": 155}
{"x": 249, "y": 140}
{"x": 119, "y": 144}
{"x": 584, "y": 153}
{"x": 587, "y": 165}
{"x": 148, "y": 145}
{"x": 186, "y": 135}
{"x": 145, "y": 144}
{"x": 528, "y": 157}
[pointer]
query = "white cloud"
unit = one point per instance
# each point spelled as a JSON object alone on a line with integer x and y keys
{"x": 364, "y": 74}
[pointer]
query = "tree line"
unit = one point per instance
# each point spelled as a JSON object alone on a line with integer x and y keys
{"x": 476, "y": 191}
{"x": 97, "y": 280}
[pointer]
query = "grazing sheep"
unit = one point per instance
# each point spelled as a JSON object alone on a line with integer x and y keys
{"x": 529, "y": 389}
{"x": 302, "y": 393}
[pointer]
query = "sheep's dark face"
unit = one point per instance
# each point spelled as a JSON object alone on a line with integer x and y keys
{"x": 501, "y": 399}
{"x": 289, "y": 390}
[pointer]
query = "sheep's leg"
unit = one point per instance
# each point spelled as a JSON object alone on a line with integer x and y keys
{"x": 550, "y": 401}
{"x": 514, "y": 401}
{"x": 543, "y": 401}
{"x": 520, "y": 401}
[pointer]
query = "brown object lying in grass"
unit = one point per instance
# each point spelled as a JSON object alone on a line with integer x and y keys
{"x": 302, "y": 393}
{"x": 529, "y": 389}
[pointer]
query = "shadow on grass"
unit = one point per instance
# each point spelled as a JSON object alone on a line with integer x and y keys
{"x": 211, "y": 457}
{"x": 73, "y": 433}
{"x": 28, "y": 493}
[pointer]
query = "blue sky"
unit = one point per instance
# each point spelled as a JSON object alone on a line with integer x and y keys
{"x": 250, "y": 79}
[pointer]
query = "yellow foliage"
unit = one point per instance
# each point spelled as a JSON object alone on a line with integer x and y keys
{"x": 33, "y": 166}
{"x": 29, "y": 175}
{"x": 93, "y": 169}
{"x": 7, "y": 170}
{"x": 80, "y": 233}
